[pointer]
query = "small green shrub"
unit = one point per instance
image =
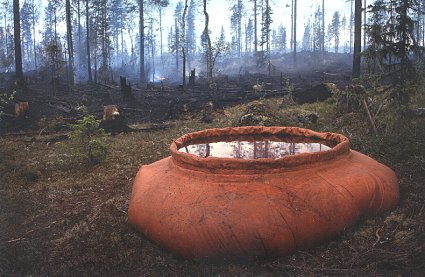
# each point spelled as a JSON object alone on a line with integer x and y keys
{"x": 87, "y": 142}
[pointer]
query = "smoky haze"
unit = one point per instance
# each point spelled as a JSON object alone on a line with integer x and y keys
{"x": 107, "y": 33}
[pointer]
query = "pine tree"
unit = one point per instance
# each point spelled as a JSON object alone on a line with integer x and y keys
{"x": 151, "y": 45}
{"x": 318, "y": 32}
{"x": 375, "y": 31}
{"x": 2, "y": 49}
{"x": 17, "y": 39}
{"x": 344, "y": 29}
{"x": 103, "y": 32}
{"x": 351, "y": 26}
{"x": 220, "y": 48}
{"x": 35, "y": 17}
{"x": 26, "y": 28}
{"x": 306, "y": 45}
{"x": 191, "y": 33}
{"x": 266, "y": 31}
{"x": 335, "y": 27}
{"x": 119, "y": 15}
{"x": 175, "y": 37}
{"x": 160, "y": 5}
{"x": 7, "y": 59}
{"x": 357, "y": 38}
{"x": 88, "y": 19}
{"x": 255, "y": 10}
{"x": 295, "y": 34}
{"x": 404, "y": 39}
{"x": 141, "y": 41}
{"x": 323, "y": 26}
{"x": 10, "y": 50}
{"x": 206, "y": 35}
{"x": 183, "y": 43}
{"x": 280, "y": 39}
{"x": 249, "y": 32}
{"x": 236, "y": 25}
{"x": 69, "y": 43}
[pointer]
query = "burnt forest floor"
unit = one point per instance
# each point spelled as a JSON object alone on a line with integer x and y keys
{"x": 62, "y": 219}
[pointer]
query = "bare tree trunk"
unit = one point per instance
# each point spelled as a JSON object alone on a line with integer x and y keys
{"x": 323, "y": 26}
{"x": 364, "y": 24}
{"x": 357, "y": 38}
{"x": 183, "y": 43}
{"x": 246, "y": 40}
{"x": 418, "y": 29}
{"x": 142, "y": 41}
{"x": 177, "y": 35}
{"x": 70, "y": 44}
{"x": 160, "y": 34}
{"x": 79, "y": 34}
{"x": 262, "y": 24}
{"x": 33, "y": 30}
{"x": 207, "y": 36}
{"x": 122, "y": 41}
{"x": 351, "y": 27}
{"x": 255, "y": 27}
{"x": 88, "y": 42}
{"x": 95, "y": 45}
{"x": 295, "y": 33}
{"x": 56, "y": 24}
{"x": 6, "y": 35}
{"x": 292, "y": 26}
{"x": 423, "y": 31}
{"x": 240, "y": 29}
{"x": 18, "y": 51}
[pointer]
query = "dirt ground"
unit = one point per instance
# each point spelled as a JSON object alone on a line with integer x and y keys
{"x": 62, "y": 219}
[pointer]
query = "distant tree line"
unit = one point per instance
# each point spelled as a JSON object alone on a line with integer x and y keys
{"x": 101, "y": 36}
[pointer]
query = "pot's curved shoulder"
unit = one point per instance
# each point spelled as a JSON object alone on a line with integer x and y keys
{"x": 374, "y": 185}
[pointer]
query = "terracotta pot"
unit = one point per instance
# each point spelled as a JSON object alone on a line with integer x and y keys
{"x": 233, "y": 208}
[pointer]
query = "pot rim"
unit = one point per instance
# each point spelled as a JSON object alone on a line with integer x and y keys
{"x": 191, "y": 161}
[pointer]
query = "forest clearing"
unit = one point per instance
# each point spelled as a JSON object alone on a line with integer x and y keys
{"x": 111, "y": 84}
{"x": 61, "y": 217}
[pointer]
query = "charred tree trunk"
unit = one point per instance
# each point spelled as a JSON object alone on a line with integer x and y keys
{"x": 404, "y": 53}
{"x": 18, "y": 51}
{"x": 418, "y": 28}
{"x": 33, "y": 30}
{"x": 364, "y": 23}
{"x": 126, "y": 89}
{"x": 255, "y": 27}
{"x": 351, "y": 27}
{"x": 292, "y": 26}
{"x": 183, "y": 43}
{"x": 122, "y": 40}
{"x": 323, "y": 26}
{"x": 88, "y": 42}
{"x": 177, "y": 35}
{"x": 79, "y": 34}
{"x": 295, "y": 33}
{"x": 160, "y": 35}
{"x": 357, "y": 38}
{"x": 70, "y": 44}
{"x": 207, "y": 37}
{"x": 142, "y": 41}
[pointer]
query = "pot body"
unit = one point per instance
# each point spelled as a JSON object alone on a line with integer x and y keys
{"x": 215, "y": 212}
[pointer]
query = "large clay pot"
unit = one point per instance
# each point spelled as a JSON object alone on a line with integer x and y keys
{"x": 231, "y": 208}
